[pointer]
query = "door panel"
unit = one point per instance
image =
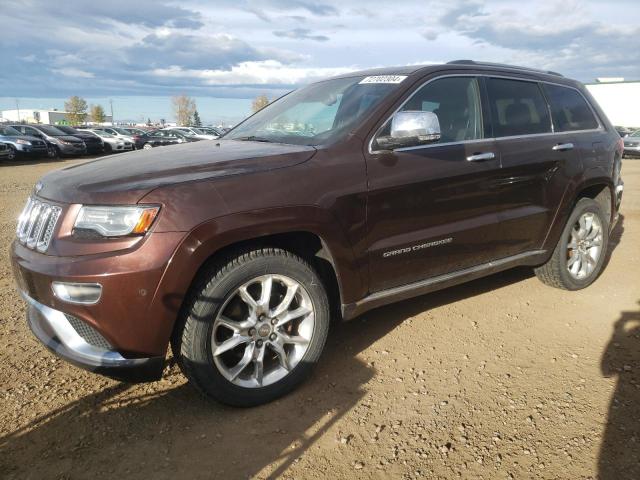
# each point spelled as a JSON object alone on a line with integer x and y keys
{"x": 430, "y": 211}
{"x": 532, "y": 183}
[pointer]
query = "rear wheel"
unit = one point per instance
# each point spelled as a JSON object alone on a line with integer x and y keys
{"x": 12, "y": 154}
{"x": 580, "y": 253}
{"x": 254, "y": 327}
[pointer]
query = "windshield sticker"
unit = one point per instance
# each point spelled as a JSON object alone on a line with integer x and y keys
{"x": 383, "y": 79}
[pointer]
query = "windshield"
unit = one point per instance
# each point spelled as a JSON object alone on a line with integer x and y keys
{"x": 9, "y": 132}
{"x": 635, "y": 134}
{"x": 52, "y": 131}
{"x": 122, "y": 131}
{"x": 187, "y": 133}
{"x": 318, "y": 114}
{"x": 67, "y": 129}
{"x": 102, "y": 134}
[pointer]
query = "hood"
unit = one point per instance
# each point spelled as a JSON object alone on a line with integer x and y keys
{"x": 127, "y": 177}
{"x": 67, "y": 138}
{"x": 85, "y": 136}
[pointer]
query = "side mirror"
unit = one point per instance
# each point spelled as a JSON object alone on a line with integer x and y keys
{"x": 410, "y": 129}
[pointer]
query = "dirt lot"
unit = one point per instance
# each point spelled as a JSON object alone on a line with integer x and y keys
{"x": 499, "y": 378}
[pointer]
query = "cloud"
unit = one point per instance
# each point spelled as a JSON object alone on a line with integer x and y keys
{"x": 267, "y": 72}
{"x": 73, "y": 72}
{"x": 157, "y": 47}
{"x": 300, "y": 34}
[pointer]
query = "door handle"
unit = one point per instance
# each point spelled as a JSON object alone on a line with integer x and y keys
{"x": 478, "y": 157}
{"x": 562, "y": 147}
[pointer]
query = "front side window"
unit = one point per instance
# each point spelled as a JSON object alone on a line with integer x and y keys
{"x": 569, "y": 109}
{"x": 517, "y": 108}
{"x": 318, "y": 114}
{"x": 455, "y": 101}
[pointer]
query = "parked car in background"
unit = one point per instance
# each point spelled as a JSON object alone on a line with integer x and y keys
{"x": 112, "y": 144}
{"x": 623, "y": 131}
{"x": 93, "y": 143}
{"x": 632, "y": 144}
{"x": 5, "y": 150}
{"x": 179, "y": 135}
{"x": 196, "y": 132}
{"x": 134, "y": 131}
{"x": 59, "y": 142}
{"x": 117, "y": 132}
{"x": 21, "y": 145}
{"x": 218, "y": 132}
{"x": 154, "y": 138}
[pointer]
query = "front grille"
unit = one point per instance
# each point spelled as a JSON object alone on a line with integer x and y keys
{"x": 631, "y": 144}
{"x": 88, "y": 333}
{"x": 36, "y": 224}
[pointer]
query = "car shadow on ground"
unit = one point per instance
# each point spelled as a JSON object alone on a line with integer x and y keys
{"x": 620, "y": 450}
{"x": 167, "y": 429}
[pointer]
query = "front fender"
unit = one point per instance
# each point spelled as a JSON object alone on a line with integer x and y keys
{"x": 212, "y": 236}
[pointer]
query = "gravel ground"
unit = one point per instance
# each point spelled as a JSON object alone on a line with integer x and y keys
{"x": 499, "y": 378}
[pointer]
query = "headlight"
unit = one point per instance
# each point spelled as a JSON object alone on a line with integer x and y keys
{"x": 64, "y": 142}
{"x": 23, "y": 142}
{"x": 116, "y": 221}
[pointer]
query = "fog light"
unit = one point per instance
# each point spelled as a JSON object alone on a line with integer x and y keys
{"x": 81, "y": 293}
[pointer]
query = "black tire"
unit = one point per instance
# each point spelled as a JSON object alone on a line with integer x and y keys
{"x": 192, "y": 342}
{"x": 13, "y": 154}
{"x": 108, "y": 148}
{"x": 53, "y": 152}
{"x": 555, "y": 273}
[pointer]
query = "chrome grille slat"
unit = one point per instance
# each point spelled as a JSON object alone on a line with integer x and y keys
{"x": 37, "y": 223}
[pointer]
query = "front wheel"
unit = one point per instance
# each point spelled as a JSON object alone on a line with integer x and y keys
{"x": 254, "y": 327}
{"x": 581, "y": 251}
{"x": 147, "y": 146}
{"x": 12, "y": 154}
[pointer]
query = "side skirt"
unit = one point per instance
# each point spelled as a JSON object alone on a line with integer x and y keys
{"x": 403, "y": 292}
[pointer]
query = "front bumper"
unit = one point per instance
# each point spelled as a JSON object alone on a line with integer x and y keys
{"x": 54, "y": 330}
{"x": 73, "y": 149}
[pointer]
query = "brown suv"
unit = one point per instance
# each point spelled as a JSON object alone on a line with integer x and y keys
{"x": 342, "y": 196}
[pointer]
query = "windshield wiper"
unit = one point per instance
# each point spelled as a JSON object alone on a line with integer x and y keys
{"x": 253, "y": 138}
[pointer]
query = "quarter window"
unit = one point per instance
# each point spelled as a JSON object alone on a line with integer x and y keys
{"x": 569, "y": 109}
{"x": 517, "y": 108}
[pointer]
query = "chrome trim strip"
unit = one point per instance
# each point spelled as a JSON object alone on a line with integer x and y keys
{"x": 449, "y": 276}
{"x": 488, "y": 139}
{"x": 68, "y": 344}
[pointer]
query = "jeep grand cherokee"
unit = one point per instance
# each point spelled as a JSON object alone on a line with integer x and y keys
{"x": 344, "y": 195}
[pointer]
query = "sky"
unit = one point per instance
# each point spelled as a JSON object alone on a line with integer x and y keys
{"x": 141, "y": 52}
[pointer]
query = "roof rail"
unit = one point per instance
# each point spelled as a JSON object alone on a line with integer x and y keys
{"x": 503, "y": 65}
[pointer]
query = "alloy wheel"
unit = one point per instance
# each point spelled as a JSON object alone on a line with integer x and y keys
{"x": 262, "y": 331}
{"x": 585, "y": 246}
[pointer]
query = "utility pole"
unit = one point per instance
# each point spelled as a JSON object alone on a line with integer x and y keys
{"x": 18, "y": 108}
{"x": 111, "y": 104}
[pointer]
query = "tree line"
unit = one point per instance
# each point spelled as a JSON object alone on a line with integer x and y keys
{"x": 184, "y": 109}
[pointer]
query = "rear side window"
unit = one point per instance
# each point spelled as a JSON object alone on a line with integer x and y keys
{"x": 517, "y": 108}
{"x": 569, "y": 109}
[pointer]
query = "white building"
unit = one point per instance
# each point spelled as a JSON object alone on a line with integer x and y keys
{"x": 619, "y": 99}
{"x": 29, "y": 115}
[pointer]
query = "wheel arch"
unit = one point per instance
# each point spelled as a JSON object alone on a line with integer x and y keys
{"x": 316, "y": 239}
{"x": 600, "y": 189}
